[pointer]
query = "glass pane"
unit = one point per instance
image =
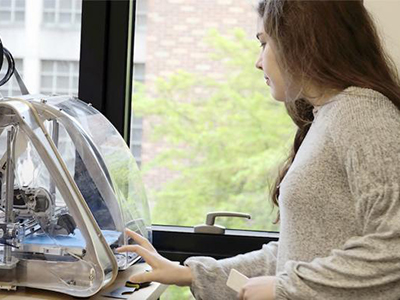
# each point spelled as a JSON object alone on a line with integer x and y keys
{"x": 20, "y": 3}
{"x": 62, "y": 82}
{"x": 137, "y": 122}
{"x": 63, "y": 67}
{"x": 65, "y": 75}
{"x": 213, "y": 137}
{"x": 65, "y": 17}
{"x": 65, "y": 13}
{"x": 47, "y": 82}
{"x": 141, "y": 22}
{"x": 5, "y": 16}
{"x": 49, "y": 17}
{"x": 141, "y": 6}
{"x": 139, "y": 71}
{"x": 47, "y": 66}
{"x": 75, "y": 67}
{"x": 19, "y": 16}
{"x": 136, "y": 151}
{"x": 5, "y": 4}
{"x": 75, "y": 83}
{"x": 78, "y": 18}
{"x": 65, "y": 4}
{"x": 136, "y": 135}
{"x": 49, "y": 4}
{"x": 78, "y": 5}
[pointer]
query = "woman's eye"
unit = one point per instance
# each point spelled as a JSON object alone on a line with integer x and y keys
{"x": 262, "y": 45}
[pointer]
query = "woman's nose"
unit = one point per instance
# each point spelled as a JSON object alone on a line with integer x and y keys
{"x": 259, "y": 63}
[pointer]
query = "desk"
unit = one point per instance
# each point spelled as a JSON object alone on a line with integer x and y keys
{"x": 151, "y": 292}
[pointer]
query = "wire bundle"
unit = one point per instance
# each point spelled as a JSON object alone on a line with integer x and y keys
{"x": 11, "y": 64}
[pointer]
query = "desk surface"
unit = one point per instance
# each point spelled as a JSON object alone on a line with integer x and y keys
{"x": 151, "y": 292}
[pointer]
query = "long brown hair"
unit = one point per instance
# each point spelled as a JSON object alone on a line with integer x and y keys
{"x": 333, "y": 45}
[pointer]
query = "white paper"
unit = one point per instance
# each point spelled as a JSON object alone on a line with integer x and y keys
{"x": 236, "y": 280}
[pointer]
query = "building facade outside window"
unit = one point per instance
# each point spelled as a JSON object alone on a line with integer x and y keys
{"x": 210, "y": 142}
{"x": 137, "y": 122}
{"x": 59, "y": 77}
{"x": 12, "y": 11}
{"x": 212, "y": 136}
{"x": 11, "y": 88}
{"x": 136, "y": 138}
{"x": 141, "y": 15}
{"x": 62, "y": 12}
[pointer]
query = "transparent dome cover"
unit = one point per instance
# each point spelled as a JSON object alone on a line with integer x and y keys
{"x": 69, "y": 186}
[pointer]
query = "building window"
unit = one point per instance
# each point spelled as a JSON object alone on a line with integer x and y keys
{"x": 62, "y": 12}
{"x": 137, "y": 123}
{"x": 136, "y": 139}
{"x": 12, "y": 11}
{"x": 11, "y": 88}
{"x": 59, "y": 77}
{"x": 141, "y": 15}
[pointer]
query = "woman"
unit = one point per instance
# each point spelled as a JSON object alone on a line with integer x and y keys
{"x": 339, "y": 191}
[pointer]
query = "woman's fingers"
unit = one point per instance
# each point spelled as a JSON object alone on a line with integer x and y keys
{"x": 140, "y": 240}
{"x": 147, "y": 256}
{"x": 142, "y": 277}
{"x": 241, "y": 294}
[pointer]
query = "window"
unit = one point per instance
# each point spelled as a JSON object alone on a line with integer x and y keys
{"x": 11, "y": 88}
{"x": 137, "y": 122}
{"x": 114, "y": 101}
{"x": 139, "y": 72}
{"x": 62, "y": 12}
{"x": 12, "y": 11}
{"x": 59, "y": 77}
{"x": 213, "y": 137}
{"x": 136, "y": 139}
{"x": 141, "y": 15}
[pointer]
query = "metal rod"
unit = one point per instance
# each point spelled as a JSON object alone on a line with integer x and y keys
{"x": 9, "y": 186}
{"x": 55, "y": 136}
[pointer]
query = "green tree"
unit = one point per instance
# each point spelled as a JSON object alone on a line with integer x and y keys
{"x": 225, "y": 139}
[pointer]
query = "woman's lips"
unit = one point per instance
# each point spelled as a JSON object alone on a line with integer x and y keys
{"x": 267, "y": 80}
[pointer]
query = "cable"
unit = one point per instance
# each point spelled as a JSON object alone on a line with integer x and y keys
{"x": 1, "y": 51}
{"x": 11, "y": 66}
{"x": 11, "y": 70}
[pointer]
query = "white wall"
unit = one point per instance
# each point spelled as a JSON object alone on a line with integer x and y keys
{"x": 387, "y": 16}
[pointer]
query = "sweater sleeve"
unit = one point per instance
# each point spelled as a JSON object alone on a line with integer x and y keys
{"x": 210, "y": 275}
{"x": 367, "y": 266}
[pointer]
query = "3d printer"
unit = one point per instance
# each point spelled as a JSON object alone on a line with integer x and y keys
{"x": 69, "y": 186}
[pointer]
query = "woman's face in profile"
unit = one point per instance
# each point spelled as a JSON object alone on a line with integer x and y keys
{"x": 268, "y": 64}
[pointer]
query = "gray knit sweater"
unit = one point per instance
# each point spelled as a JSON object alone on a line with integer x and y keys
{"x": 339, "y": 208}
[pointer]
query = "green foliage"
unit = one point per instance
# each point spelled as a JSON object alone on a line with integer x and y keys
{"x": 225, "y": 139}
{"x": 177, "y": 293}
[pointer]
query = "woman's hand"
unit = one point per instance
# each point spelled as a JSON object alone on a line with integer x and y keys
{"x": 164, "y": 271}
{"x": 259, "y": 288}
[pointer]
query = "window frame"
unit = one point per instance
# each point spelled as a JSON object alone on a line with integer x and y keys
{"x": 56, "y": 74}
{"x": 13, "y": 10}
{"x": 73, "y": 11}
{"x": 105, "y": 78}
{"x": 105, "y": 81}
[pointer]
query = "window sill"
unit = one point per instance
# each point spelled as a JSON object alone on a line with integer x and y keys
{"x": 178, "y": 243}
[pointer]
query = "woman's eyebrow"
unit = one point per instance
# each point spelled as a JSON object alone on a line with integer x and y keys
{"x": 258, "y": 35}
